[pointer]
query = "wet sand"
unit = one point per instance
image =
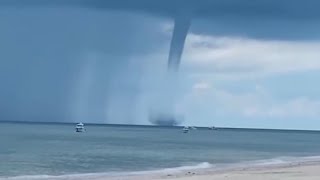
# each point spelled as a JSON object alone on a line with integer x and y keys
{"x": 293, "y": 171}
{"x": 304, "y": 172}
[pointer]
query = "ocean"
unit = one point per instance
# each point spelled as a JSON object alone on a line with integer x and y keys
{"x": 40, "y": 150}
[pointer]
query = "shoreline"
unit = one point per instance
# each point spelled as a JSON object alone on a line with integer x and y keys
{"x": 304, "y": 164}
{"x": 295, "y": 171}
{"x": 303, "y": 170}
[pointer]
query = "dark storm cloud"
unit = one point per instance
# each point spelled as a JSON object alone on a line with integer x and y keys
{"x": 289, "y": 9}
{"x": 36, "y": 75}
{"x": 282, "y": 19}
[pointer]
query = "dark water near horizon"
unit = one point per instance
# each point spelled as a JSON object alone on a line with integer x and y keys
{"x": 56, "y": 149}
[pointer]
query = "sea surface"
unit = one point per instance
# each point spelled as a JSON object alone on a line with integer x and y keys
{"x": 38, "y": 149}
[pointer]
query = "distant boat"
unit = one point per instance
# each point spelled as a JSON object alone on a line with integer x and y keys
{"x": 185, "y": 129}
{"x": 80, "y": 127}
{"x": 193, "y": 127}
{"x": 212, "y": 128}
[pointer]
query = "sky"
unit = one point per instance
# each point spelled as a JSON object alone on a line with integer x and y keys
{"x": 243, "y": 64}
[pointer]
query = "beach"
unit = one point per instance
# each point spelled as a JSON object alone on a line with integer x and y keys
{"x": 293, "y": 171}
{"x": 302, "y": 172}
{"x": 289, "y": 171}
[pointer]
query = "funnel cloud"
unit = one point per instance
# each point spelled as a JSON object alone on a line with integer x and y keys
{"x": 180, "y": 31}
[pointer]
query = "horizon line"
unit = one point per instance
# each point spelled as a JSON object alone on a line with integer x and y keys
{"x": 154, "y": 126}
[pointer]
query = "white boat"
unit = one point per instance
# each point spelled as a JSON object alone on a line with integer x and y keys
{"x": 212, "y": 128}
{"x": 185, "y": 129}
{"x": 193, "y": 127}
{"x": 80, "y": 127}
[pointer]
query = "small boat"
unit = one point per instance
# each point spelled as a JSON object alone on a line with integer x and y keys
{"x": 212, "y": 128}
{"x": 185, "y": 129}
{"x": 80, "y": 127}
{"x": 193, "y": 127}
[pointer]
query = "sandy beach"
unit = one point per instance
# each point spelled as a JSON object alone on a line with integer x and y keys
{"x": 290, "y": 172}
{"x": 293, "y": 171}
{"x": 308, "y": 171}
{"x": 311, "y": 172}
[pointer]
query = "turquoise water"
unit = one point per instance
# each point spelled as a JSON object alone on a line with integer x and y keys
{"x": 56, "y": 149}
